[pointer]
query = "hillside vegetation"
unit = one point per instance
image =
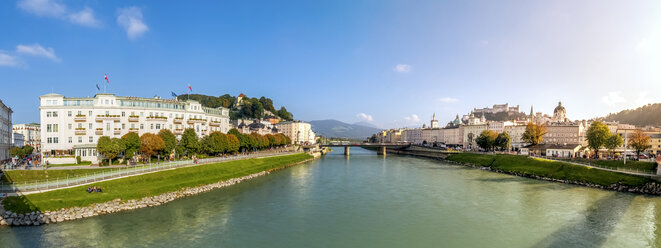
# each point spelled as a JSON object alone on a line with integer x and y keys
{"x": 251, "y": 108}
{"x": 648, "y": 115}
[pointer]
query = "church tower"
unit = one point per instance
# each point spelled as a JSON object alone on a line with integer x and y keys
{"x": 434, "y": 122}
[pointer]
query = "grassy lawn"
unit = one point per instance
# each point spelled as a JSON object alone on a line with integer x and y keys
{"x": 63, "y": 165}
{"x": 29, "y": 176}
{"x": 148, "y": 185}
{"x": 548, "y": 168}
{"x": 632, "y": 165}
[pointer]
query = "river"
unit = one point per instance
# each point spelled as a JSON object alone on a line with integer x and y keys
{"x": 366, "y": 200}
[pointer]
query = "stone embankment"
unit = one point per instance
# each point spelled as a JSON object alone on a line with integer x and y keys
{"x": 651, "y": 188}
{"x": 48, "y": 217}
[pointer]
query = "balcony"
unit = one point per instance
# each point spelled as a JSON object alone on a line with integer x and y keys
{"x": 81, "y": 131}
{"x": 134, "y": 118}
{"x": 178, "y": 131}
{"x": 117, "y": 131}
{"x": 99, "y": 131}
{"x": 193, "y": 121}
{"x": 214, "y": 123}
{"x": 133, "y": 130}
{"x": 157, "y": 118}
{"x": 178, "y": 120}
{"x": 101, "y": 118}
{"x": 80, "y": 118}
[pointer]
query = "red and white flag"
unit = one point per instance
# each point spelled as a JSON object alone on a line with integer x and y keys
{"x": 106, "y": 77}
{"x": 189, "y": 88}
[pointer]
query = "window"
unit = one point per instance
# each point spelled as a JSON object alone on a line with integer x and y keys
{"x": 49, "y": 114}
{"x": 151, "y": 126}
{"x": 91, "y": 139}
{"x": 142, "y": 126}
{"x": 123, "y": 126}
{"x": 123, "y": 114}
{"x": 54, "y": 113}
{"x": 70, "y": 140}
{"x": 80, "y": 112}
{"x": 80, "y": 125}
{"x": 107, "y": 126}
{"x": 55, "y": 140}
{"x": 69, "y": 113}
{"x": 69, "y": 126}
{"x": 90, "y": 126}
{"x": 107, "y": 102}
{"x": 90, "y": 113}
{"x": 80, "y": 139}
{"x": 132, "y": 125}
{"x": 107, "y": 112}
{"x": 158, "y": 126}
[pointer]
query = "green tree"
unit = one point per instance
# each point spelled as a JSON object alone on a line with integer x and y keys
{"x": 534, "y": 134}
{"x": 639, "y": 141}
{"x": 190, "y": 141}
{"x": 110, "y": 148}
{"x": 614, "y": 141}
{"x": 284, "y": 114}
{"x": 131, "y": 144}
{"x": 267, "y": 103}
{"x": 151, "y": 144}
{"x": 503, "y": 141}
{"x": 597, "y": 135}
{"x": 234, "y": 131}
{"x": 271, "y": 139}
{"x": 487, "y": 139}
{"x": 170, "y": 141}
{"x": 17, "y": 152}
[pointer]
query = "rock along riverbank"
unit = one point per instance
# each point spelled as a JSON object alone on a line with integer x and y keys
{"x": 9, "y": 218}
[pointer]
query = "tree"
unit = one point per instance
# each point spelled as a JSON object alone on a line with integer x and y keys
{"x": 17, "y": 152}
{"x": 597, "y": 135}
{"x": 284, "y": 114}
{"x": 214, "y": 143}
{"x": 110, "y": 148}
{"x": 534, "y": 133}
{"x": 614, "y": 141}
{"x": 232, "y": 144}
{"x": 131, "y": 144}
{"x": 234, "y": 132}
{"x": 271, "y": 139}
{"x": 189, "y": 141}
{"x": 639, "y": 141}
{"x": 503, "y": 141}
{"x": 169, "y": 140}
{"x": 151, "y": 144}
{"x": 487, "y": 139}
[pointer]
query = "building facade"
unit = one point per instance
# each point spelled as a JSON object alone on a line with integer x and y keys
{"x": 72, "y": 126}
{"x": 565, "y": 133}
{"x": 5, "y": 131}
{"x": 297, "y": 131}
{"x": 31, "y": 134}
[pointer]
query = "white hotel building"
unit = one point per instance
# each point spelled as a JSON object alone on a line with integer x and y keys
{"x": 72, "y": 126}
{"x": 5, "y": 132}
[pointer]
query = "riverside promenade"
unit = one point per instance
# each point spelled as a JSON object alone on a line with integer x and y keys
{"x": 115, "y": 172}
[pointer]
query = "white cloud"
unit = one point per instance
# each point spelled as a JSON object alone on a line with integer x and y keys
{"x": 55, "y": 9}
{"x": 131, "y": 19}
{"x": 38, "y": 50}
{"x": 43, "y": 7}
{"x": 7, "y": 60}
{"x": 403, "y": 68}
{"x": 85, "y": 17}
{"x": 448, "y": 99}
{"x": 413, "y": 119}
{"x": 613, "y": 98}
{"x": 365, "y": 117}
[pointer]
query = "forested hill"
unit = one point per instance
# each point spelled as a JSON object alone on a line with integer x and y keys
{"x": 649, "y": 114}
{"x": 249, "y": 108}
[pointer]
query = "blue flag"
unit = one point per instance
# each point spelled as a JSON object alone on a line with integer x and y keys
{"x": 97, "y": 87}
{"x": 173, "y": 94}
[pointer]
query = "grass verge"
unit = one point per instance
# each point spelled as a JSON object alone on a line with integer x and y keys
{"x": 548, "y": 168}
{"x": 74, "y": 164}
{"x": 151, "y": 184}
{"x": 631, "y": 165}
{"x": 30, "y": 176}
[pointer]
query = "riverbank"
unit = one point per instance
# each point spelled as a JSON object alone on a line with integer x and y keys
{"x": 556, "y": 171}
{"x": 138, "y": 191}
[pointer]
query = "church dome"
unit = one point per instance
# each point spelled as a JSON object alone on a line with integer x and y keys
{"x": 559, "y": 108}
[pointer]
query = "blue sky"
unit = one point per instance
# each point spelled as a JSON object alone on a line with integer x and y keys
{"x": 391, "y": 63}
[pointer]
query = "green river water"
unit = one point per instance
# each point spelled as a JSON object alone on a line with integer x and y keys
{"x": 366, "y": 200}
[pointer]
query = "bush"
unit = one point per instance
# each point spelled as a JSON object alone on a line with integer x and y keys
{"x": 78, "y": 160}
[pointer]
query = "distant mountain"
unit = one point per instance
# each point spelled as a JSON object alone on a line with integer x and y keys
{"x": 648, "y": 115}
{"x": 335, "y": 128}
{"x": 365, "y": 124}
